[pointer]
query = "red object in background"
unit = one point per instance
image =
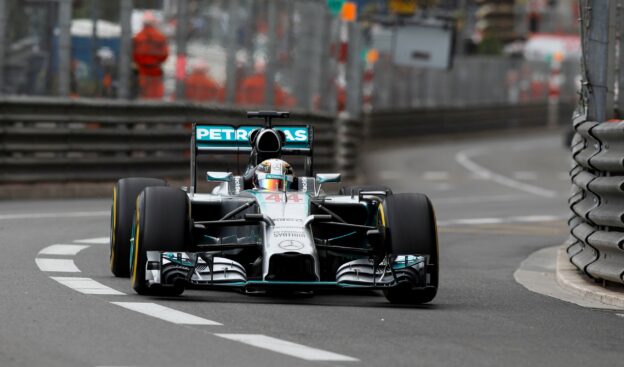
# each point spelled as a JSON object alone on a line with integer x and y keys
{"x": 538, "y": 89}
{"x": 251, "y": 92}
{"x": 200, "y": 87}
{"x": 149, "y": 52}
{"x": 341, "y": 96}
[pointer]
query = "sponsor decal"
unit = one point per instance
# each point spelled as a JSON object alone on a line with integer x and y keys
{"x": 290, "y": 245}
{"x": 229, "y": 134}
{"x": 238, "y": 184}
{"x": 287, "y": 220}
{"x": 292, "y": 234}
{"x": 295, "y": 134}
{"x": 276, "y": 169}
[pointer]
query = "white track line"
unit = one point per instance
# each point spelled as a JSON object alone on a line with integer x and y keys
{"x": 165, "y": 313}
{"x": 471, "y": 221}
{"x": 54, "y": 215}
{"x": 69, "y": 250}
{"x": 481, "y": 199}
{"x": 288, "y": 348}
{"x": 436, "y": 176}
{"x": 95, "y": 241}
{"x": 525, "y": 175}
{"x": 481, "y": 221}
{"x": 57, "y": 265}
{"x": 463, "y": 158}
{"x": 391, "y": 175}
{"x": 87, "y": 286}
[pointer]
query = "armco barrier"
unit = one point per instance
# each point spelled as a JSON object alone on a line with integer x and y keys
{"x": 61, "y": 140}
{"x": 597, "y": 200}
{"x": 423, "y": 121}
{"x": 58, "y": 141}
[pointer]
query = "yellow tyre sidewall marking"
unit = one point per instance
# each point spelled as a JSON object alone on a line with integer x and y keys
{"x": 112, "y": 257}
{"x": 136, "y": 243}
{"x": 382, "y": 214}
{"x": 435, "y": 227}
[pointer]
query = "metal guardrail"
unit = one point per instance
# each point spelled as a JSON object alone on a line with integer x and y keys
{"x": 597, "y": 200}
{"x": 421, "y": 121}
{"x": 61, "y": 140}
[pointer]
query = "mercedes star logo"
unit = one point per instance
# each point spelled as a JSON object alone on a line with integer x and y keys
{"x": 291, "y": 245}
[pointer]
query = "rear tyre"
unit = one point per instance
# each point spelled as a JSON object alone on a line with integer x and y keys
{"x": 411, "y": 225}
{"x": 122, "y": 212}
{"x": 355, "y": 190}
{"x": 161, "y": 224}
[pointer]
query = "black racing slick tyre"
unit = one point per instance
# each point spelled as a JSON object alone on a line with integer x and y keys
{"x": 161, "y": 224}
{"x": 411, "y": 229}
{"x": 122, "y": 213}
{"x": 355, "y": 190}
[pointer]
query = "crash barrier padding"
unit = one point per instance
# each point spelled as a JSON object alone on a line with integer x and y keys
{"x": 63, "y": 140}
{"x": 422, "y": 121}
{"x": 596, "y": 244}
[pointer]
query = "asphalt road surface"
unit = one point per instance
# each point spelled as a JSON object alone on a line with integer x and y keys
{"x": 498, "y": 200}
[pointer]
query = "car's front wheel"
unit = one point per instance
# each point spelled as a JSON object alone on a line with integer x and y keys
{"x": 122, "y": 211}
{"x": 411, "y": 230}
{"x": 161, "y": 224}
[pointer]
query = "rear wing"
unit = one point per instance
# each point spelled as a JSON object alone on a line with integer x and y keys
{"x": 235, "y": 139}
{"x": 231, "y": 139}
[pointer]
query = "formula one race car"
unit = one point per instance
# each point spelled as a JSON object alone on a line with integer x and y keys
{"x": 267, "y": 229}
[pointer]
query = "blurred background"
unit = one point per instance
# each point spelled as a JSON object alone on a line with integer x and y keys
{"x": 92, "y": 91}
{"x": 318, "y": 53}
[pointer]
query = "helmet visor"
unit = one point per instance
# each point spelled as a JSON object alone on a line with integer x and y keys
{"x": 272, "y": 182}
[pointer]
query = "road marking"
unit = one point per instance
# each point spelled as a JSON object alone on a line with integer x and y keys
{"x": 288, "y": 348}
{"x": 619, "y": 314}
{"x": 87, "y": 286}
{"x": 472, "y": 221}
{"x": 57, "y": 265}
{"x": 54, "y": 215}
{"x": 436, "y": 176}
{"x": 391, "y": 175}
{"x": 69, "y": 250}
{"x": 517, "y": 229}
{"x": 481, "y": 199}
{"x": 536, "y": 218}
{"x": 165, "y": 313}
{"x": 443, "y": 186}
{"x": 463, "y": 158}
{"x": 95, "y": 241}
{"x": 524, "y": 219}
{"x": 525, "y": 175}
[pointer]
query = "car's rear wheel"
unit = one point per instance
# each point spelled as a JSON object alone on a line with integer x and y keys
{"x": 411, "y": 230}
{"x": 122, "y": 212}
{"x": 355, "y": 190}
{"x": 161, "y": 224}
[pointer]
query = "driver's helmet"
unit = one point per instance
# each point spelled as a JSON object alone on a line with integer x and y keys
{"x": 273, "y": 175}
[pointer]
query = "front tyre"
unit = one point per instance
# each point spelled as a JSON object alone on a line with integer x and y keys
{"x": 411, "y": 230}
{"x": 122, "y": 212}
{"x": 161, "y": 224}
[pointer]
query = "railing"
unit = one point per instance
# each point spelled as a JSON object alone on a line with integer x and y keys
{"x": 62, "y": 140}
{"x": 422, "y": 121}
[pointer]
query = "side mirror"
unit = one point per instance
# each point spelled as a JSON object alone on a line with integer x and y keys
{"x": 322, "y": 178}
{"x": 218, "y": 176}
